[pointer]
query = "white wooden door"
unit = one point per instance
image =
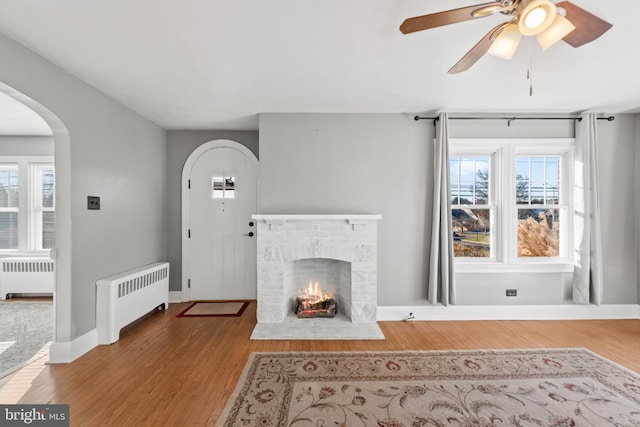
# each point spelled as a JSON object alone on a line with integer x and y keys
{"x": 221, "y": 236}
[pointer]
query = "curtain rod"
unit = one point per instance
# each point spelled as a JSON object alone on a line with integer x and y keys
{"x": 510, "y": 119}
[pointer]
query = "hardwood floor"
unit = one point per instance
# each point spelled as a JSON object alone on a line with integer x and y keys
{"x": 180, "y": 371}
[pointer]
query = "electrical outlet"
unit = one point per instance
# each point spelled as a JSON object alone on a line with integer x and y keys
{"x": 93, "y": 203}
{"x": 512, "y": 292}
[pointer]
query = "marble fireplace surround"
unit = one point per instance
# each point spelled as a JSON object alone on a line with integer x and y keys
{"x": 284, "y": 242}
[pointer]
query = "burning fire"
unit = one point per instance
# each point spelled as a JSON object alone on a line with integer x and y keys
{"x": 313, "y": 294}
{"x": 312, "y": 302}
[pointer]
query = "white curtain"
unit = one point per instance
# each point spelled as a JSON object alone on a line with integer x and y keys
{"x": 587, "y": 280}
{"x": 441, "y": 277}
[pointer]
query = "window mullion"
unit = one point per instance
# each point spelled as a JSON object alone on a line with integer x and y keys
{"x": 510, "y": 210}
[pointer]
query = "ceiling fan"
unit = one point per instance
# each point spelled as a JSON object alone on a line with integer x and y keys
{"x": 549, "y": 22}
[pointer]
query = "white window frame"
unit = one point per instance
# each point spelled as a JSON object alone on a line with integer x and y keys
{"x": 502, "y": 180}
{"x": 8, "y": 164}
{"x": 28, "y": 241}
{"x": 493, "y": 152}
{"x": 36, "y": 208}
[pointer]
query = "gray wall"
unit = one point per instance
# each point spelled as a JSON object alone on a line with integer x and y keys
{"x": 356, "y": 163}
{"x": 180, "y": 144}
{"x": 26, "y": 145}
{"x": 115, "y": 154}
{"x": 367, "y": 163}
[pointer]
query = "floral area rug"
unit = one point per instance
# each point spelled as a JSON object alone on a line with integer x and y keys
{"x": 559, "y": 387}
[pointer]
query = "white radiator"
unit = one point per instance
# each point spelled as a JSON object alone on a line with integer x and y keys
{"x": 125, "y": 297}
{"x": 26, "y": 276}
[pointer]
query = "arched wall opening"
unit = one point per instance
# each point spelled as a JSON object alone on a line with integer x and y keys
{"x": 62, "y": 252}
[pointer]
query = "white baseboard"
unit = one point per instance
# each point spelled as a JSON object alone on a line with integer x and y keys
{"x": 175, "y": 297}
{"x": 68, "y": 351}
{"x": 510, "y": 312}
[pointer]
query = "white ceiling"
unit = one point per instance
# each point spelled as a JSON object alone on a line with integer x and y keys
{"x": 215, "y": 64}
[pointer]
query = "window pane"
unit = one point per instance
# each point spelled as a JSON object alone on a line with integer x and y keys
{"x": 469, "y": 180}
{"x": 8, "y": 187}
{"x": 522, "y": 190}
{"x": 217, "y": 185}
{"x": 466, "y": 193}
{"x": 48, "y": 194}
{"x": 538, "y": 180}
{"x": 482, "y": 183}
{"x": 229, "y": 187}
{"x": 48, "y": 230}
{"x": 471, "y": 232}
{"x": 537, "y": 193}
{"x": 538, "y": 232}
{"x": 8, "y": 230}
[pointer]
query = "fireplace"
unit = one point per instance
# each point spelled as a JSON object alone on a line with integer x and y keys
{"x": 339, "y": 252}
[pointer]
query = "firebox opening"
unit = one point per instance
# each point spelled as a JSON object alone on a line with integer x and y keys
{"x": 312, "y": 301}
{"x": 319, "y": 287}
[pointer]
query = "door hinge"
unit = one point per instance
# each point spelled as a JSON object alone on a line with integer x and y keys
{"x": 189, "y": 184}
{"x": 189, "y": 283}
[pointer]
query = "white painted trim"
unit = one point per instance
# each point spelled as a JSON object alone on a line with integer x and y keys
{"x": 186, "y": 173}
{"x": 510, "y": 312}
{"x": 68, "y": 351}
{"x": 175, "y": 297}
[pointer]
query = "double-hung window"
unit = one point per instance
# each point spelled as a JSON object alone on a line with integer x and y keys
{"x": 511, "y": 202}
{"x": 27, "y": 204}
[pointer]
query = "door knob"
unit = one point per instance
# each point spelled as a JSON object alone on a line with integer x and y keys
{"x": 250, "y": 234}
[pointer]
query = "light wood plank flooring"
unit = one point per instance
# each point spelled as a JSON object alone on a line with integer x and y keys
{"x": 180, "y": 371}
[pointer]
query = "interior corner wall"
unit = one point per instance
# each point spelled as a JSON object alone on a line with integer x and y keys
{"x": 115, "y": 154}
{"x": 357, "y": 163}
{"x": 180, "y": 144}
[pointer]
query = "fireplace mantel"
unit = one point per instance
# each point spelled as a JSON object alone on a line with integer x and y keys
{"x": 355, "y": 220}
{"x": 308, "y": 217}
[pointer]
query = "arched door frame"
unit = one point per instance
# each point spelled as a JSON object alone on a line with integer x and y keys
{"x": 186, "y": 173}
{"x": 60, "y": 350}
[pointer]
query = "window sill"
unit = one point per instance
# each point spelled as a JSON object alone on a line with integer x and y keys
{"x": 498, "y": 267}
{"x": 14, "y": 253}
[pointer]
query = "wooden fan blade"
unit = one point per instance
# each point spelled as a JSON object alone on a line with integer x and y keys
{"x": 439, "y": 19}
{"x": 477, "y": 51}
{"x": 588, "y": 26}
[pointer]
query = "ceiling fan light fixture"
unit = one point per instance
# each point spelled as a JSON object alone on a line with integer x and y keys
{"x": 557, "y": 31}
{"x": 536, "y": 17}
{"x": 486, "y": 11}
{"x": 505, "y": 45}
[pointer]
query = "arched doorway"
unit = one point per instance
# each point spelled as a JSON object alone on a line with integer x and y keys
{"x": 60, "y": 349}
{"x": 219, "y": 195}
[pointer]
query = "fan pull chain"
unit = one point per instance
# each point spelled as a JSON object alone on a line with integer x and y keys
{"x": 530, "y": 71}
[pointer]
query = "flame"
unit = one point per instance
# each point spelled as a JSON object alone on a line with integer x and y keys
{"x": 313, "y": 293}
